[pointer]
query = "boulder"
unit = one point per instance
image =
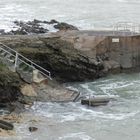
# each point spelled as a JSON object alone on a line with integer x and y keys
{"x": 9, "y": 85}
{"x": 33, "y": 129}
{"x": 65, "y": 26}
{"x": 37, "y": 27}
{"x": 30, "y": 27}
{"x": 6, "y": 125}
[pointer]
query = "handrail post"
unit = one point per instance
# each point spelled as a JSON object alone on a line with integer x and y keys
{"x": 19, "y": 57}
{"x": 16, "y": 60}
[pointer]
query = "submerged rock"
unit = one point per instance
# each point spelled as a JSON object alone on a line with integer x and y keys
{"x": 65, "y": 26}
{"x": 37, "y": 27}
{"x": 30, "y": 27}
{"x": 33, "y": 129}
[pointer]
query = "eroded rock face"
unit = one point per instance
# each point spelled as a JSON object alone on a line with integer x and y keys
{"x": 78, "y": 55}
{"x": 9, "y": 90}
{"x": 64, "y": 61}
{"x": 9, "y": 87}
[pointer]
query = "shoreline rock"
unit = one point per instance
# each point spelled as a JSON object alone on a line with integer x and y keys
{"x": 14, "y": 92}
{"x": 75, "y": 56}
{"x": 37, "y": 27}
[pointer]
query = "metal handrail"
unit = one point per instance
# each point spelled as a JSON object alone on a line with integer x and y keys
{"x": 7, "y": 51}
{"x": 32, "y": 64}
{"x": 127, "y": 26}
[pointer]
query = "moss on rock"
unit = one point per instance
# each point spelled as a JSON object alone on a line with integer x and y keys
{"x": 9, "y": 85}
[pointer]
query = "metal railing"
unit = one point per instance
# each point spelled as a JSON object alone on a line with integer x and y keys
{"x": 127, "y": 27}
{"x": 18, "y": 57}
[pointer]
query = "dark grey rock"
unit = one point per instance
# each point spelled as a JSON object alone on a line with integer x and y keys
{"x": 33, "y": 129}
{"x": 6, "y": 125}
{"x": 65, "y": 26}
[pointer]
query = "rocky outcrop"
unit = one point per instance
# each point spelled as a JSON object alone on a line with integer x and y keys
{"x": 65, "y": 62}
{"x": 9, "y": 85}
{"x": 65, "y": 26}
{"x": 70, "y": 56}
{"x": 38, "y": 27}
{"x": 14, "y": 92}
{"x": 9, "y": 90}
{"x": 79, "y": 55}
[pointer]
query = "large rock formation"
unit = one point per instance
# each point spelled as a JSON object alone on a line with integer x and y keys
{"x": 9, "y": 85}
{"x": 9, "y": 90}
{"x": 79, "y": 55}
{"x": 38, "y": 27}
{"x": 65, "y": 62}
{"x": 70, "y": 56}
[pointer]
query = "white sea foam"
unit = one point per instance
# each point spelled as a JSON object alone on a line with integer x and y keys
{"x": 70, "y": 11}
{"x": 88, "y": 90}
{"x": 122, "y": 1}
{"x": 50, "y": 27}
{"x": 74, "y": 112}
{"x": 76, "y": 136}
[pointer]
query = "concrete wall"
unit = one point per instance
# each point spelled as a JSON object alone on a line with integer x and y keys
{"x": 124, "y": 51}
{"x": 119, "y": 51}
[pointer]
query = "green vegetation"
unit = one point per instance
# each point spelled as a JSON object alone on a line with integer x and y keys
{"x": 2, "y": 67}
{"x": 8, "y": 78}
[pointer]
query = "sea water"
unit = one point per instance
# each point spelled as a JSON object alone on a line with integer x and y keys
{"x": 85, "y": 14}
{"x": 120, "y": 119}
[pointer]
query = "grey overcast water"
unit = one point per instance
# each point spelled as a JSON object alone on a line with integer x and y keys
{"x": 119, "y": 120}
{"x": 86, "y": 14}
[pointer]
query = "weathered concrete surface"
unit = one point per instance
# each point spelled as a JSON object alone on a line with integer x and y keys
{"x": 117, "y": 51}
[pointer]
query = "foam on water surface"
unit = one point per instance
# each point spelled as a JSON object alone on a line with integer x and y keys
{"x": 89, "y": 14}
{"x": 76, "y": 136}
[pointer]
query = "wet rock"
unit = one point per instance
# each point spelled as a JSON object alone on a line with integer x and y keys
{"x": 2, "y": 31}
{"x": 36, "y": 21}
{"x": 66, "y": 63}
{"x": 9, "y": 86}
{"x": 111, "y": 65}
{"x": 53, "y": 21}
{"x": 9, "y": 89}
{"x": 6, "y": 125}
{"x": 65, "y": 26}
{"x": 37, "y": 27}
{"x": 28, "y": 90}
{"x": 30, "y": 27}
{"x": 33, "y": 129}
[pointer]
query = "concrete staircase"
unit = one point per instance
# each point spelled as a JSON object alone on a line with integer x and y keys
{"x": 28, "y": 70}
